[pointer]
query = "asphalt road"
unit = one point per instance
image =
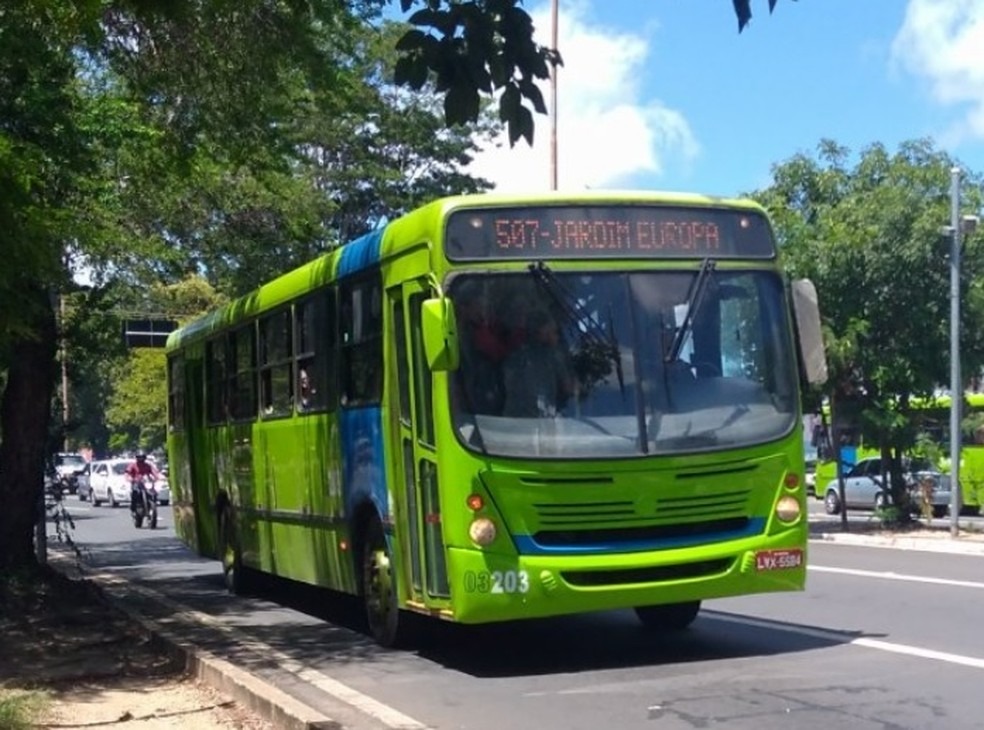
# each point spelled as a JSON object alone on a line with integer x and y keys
{"x": 880, "y": 639}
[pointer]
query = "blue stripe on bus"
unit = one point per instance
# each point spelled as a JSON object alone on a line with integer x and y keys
{"x": 527, "y": 545}
{"x": 361, "y": 253}
{"x": 363, "y": 470}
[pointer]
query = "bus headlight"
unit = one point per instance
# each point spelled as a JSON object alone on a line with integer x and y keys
{"x": 482, "y": 531}
{"x": 788, "y": 508}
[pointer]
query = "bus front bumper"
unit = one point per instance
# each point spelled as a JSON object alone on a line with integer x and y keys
{"x": 494, "y": 587}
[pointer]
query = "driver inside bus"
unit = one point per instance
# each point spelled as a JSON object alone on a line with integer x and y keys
{"x": 538, "y": 377}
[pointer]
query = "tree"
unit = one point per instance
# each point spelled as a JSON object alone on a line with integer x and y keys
{"x": 486, "y": 46}
{"x": 869, "y": 235}
{"x": 145, "y": 137}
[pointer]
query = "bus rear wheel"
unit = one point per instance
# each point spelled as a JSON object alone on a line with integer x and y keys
{"x": 230, "y": 552}
{"x": 383, "y": 614}
{"x": 668, "y": 617}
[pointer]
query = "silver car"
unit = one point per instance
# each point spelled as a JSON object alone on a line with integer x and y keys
{"x": 863, "y": 488}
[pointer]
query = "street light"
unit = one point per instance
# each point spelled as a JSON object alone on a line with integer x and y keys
{"x": 958, "y": 226}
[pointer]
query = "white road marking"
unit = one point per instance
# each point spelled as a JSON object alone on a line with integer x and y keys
{"x": 388, "y": 716}
{"x": 896, "y": 576}
{"x": 842, "y": 638}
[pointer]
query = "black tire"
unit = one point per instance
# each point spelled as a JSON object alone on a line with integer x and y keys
{"x": 387, "y": 624}
{"x": 112, "y": 498}
{"x": 235, "y": 575}
{"x": 92, "y": 498}
{"x": 668, "y": 617}
{"x": 939, "y": 511}
{"x": 152, "y": 518}
{"x": 831, "y": 503}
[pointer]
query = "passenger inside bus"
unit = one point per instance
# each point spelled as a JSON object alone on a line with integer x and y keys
{"x": 483, "y": 349}
{"x": 538, "y": 378}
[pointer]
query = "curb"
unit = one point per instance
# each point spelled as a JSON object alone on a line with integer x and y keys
{"x": 270, "y": 703}
{"x": 947, "y": 544}
{"x": 259, "y": 696}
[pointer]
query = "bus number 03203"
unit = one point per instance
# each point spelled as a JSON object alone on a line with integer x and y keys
{"x": 497, "y": 581}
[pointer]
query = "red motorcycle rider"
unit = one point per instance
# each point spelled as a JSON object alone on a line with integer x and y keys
{"x": 140, "y": 470}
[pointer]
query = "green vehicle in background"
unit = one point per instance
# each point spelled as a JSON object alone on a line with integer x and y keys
{"x": 501, "y": 407}
{"x": 932, "y": 419}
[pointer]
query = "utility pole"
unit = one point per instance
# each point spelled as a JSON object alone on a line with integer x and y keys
{"x": 959, "y": 227}
{"x": 956, "y": 389}
{"x": 554, "y": 12}
{"x": 64, "y": 370}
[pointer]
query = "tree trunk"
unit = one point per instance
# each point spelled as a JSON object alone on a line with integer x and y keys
{"x": 24, "y": 419}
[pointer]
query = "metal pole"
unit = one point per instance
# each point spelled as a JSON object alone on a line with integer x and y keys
{"x": 553, "y": 97}
{"x": 64, "y": 371}
{"x": 956, "y": 387}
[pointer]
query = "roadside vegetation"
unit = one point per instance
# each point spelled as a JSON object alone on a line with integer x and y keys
{"x": 21, "y": 710}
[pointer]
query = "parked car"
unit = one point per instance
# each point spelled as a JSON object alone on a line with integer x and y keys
{"x": 863, "y": 488}
{"x": 810, "y": 478}
{"x": 82, "y": 481}
{"x": 67, "y": 467}
{"x": 108, "y": 483}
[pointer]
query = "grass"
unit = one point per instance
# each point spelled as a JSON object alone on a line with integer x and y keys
{"x": 20, "y": 710}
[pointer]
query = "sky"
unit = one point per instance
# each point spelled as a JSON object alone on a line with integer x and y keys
{"x": 667, "y": 95}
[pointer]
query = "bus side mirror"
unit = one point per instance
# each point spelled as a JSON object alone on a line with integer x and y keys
{"x": 440, "y": 334}
{"x": 807, "y": 312}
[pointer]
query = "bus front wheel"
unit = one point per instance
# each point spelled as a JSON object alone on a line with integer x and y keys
{"x": 668, "y": 617}
{"x": 379, "y": 593}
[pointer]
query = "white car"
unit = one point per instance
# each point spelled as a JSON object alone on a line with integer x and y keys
{"x": 108, "y": 483}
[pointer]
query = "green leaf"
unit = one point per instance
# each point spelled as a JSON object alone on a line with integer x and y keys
{"x": 412, "y": 40}
{"x": 461, "y": 103}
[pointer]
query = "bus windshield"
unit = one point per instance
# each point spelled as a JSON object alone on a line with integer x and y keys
{"x": 621, "y": 364}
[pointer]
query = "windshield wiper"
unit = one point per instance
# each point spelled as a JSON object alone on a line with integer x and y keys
{"x": 694, "y": 298}
{"x": 592, "y": 332}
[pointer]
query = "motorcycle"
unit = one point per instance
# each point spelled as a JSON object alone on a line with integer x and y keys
{"x": 143, "y": 503}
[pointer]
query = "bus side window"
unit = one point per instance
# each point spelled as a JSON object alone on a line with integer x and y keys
{"x": 314, "y": 326}
{"x": 276, "y": 361}
{"x": 361, "y": 334}
{"x": 242, "y": 373}
{"x": 215, "y": 385}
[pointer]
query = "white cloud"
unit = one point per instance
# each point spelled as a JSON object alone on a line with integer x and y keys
{"x": 606, "y": 133}
{"x": 943, "y": 41}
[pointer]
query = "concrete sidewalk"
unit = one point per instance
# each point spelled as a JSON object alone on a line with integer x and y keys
{"x": 934, "y": 538}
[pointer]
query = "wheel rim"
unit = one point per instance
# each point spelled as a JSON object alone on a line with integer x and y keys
{"x": 228, "y": 551}
{"x": 379, "y": 593}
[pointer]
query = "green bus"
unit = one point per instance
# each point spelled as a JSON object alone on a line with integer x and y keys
{"x": 501, "y": 407}
{"x": 930, "y": 416}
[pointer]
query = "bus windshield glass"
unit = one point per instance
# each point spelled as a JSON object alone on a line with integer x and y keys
{"x": 574, "y": 364}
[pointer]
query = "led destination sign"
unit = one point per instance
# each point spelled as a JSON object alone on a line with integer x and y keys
{"x": 610, "y": 231}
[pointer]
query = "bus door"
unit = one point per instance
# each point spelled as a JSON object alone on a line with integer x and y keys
{"x": 195, "y": 479}
{"x": 423, "y": 541}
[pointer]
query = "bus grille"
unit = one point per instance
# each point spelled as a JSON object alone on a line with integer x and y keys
{"x": 653, "y": 574}
{"x": 615, "y": 523}
{"x": 654, "y": 534}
